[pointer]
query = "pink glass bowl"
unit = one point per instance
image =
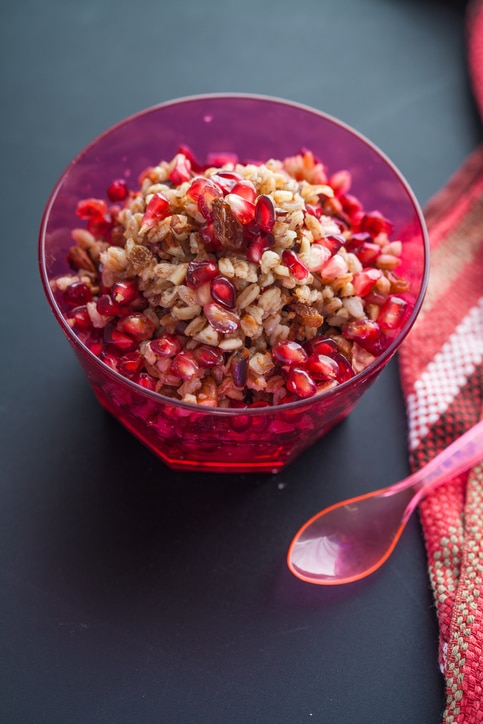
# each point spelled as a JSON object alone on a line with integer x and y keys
{"x": 188, "y": 437}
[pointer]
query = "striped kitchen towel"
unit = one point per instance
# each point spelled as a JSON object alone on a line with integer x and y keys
{"x": 441, "y": 364}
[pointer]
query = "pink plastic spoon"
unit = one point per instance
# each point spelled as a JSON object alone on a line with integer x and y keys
{"x": 353, "y": 538}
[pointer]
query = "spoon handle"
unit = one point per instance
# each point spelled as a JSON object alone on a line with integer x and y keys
{"x": 461, "y": 455}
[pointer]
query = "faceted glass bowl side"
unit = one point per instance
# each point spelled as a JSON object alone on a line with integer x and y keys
{"x": 255, "y": 128}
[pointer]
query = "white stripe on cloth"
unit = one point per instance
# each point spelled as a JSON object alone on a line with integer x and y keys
{"x": 445, "y": 375}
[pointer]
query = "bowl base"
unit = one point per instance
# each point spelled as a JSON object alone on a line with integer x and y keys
{"x": 218, "y": 461}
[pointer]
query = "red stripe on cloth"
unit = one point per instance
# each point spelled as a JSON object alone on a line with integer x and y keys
{"x": 441, "y": 512}
{"x": 452, "y": 515}
{"x": 451, "y": 202}
{"x": 454, "y": 218}
{"x": 426, "y": 340}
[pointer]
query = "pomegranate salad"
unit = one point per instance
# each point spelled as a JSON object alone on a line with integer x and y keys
{"x": 234, "y": 284}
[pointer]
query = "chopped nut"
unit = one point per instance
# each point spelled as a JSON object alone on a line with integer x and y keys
{"x": 308, "y": 316}
{"x": 78, "y": 258}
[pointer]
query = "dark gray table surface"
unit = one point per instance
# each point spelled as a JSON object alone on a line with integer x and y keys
{"x": 130, "y": 593}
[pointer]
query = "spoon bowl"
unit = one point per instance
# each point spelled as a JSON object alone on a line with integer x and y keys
{"x": 352, "y": 539}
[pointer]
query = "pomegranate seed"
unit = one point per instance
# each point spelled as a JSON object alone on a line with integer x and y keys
{"x": 258, "y": 246}
{"x": 125, "y": 291}
{"x": 94, "y": 342}
{"x": 321, "y": 345}
{"x": 228, "y": 175}
{"x": 78, "y": 258}
{"x": 106, "y": 306}
{"x": 364, "y": 280}
{"x": 245, "y": 189}
{"x": 356, "y": 219}
{"x": 112, "y": 233}
{"x": 110, "y": 359}
{"x": 200, "y": 272}
{"x": 196, "y": 187}
{"x": 242, "y": 209}
{"x": 375, "y": 297}
{"x": 334, "y": 268}
{"x": 322, "y": 367}
{"x": 200, "y": 184}
{"x": 361, "y": 330}
{"x": 341, "y": 182}
{"x": 166, "y": 346}
{"x": 240, "y": 423}
{"x": 187, "y": 151}
{"x": 137, "y": 325}
{"x": 265, "y": 213}
{"x": 289, "y": 353}
{"x": 100, "y": 228}
{"x": 295, "y": 264}
{"x": 239, "y": 367}
{"x": 318, "y": 255}
{"x": 77, "y": 294}
{"x": 118, "y": 339}
{"x": 145, "y": 380}
{"x": 300, "y": 382}
{"x": 350, "y": 204}
{"x": 332, "y": 242}
{"x": 79, "y": 319}
{"x": 288, "y": 397}
{"x": 251, "y": 230}
{"x": 393, "y": 313}
{"x": 223, "y": 292}
{"x": 209, "y": 356}
{"x": 157, "y": 210}
{"x": 313, "y": 210}
{"x": 368, "y": 252}
{"x": 209, "y": 193}
{"x": 221, "y": 319}
{"x": 181, "y": 170}
{"x": 207, "y": 234}
{"x": 376, "y": 346}
{"x": 225, "y": 184}
{"x": 345, "y": 368}
{"x": 357, "y": 239}
{"x": 114, "y": 211}
{"x": 238, "y": 405}
{"x": 375, "y": 223}
{"x": 226, "y": 180}
{"x": 221, "y": 159}
{"x": 130, "y": 364}
{"x": 91, "y": 208}
{"x": 118, "y": 190}
{"x": 184, "y": 366}
{"x": 138, "y": 305}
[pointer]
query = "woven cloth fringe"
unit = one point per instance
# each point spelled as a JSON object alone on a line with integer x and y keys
{"x": 441, "y": 365}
